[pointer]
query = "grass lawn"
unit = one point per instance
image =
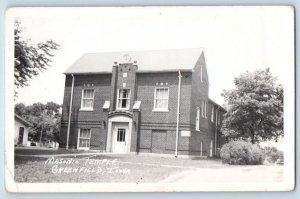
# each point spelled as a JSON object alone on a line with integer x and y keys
{"x": 43, "y": 151}
{"x": 34, "y": 169}
{"x": 127, "y": 168}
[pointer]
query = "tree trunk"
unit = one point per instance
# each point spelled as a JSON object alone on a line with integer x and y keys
{"x": 252, "y": 137}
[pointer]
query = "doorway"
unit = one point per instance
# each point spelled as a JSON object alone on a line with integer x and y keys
{"x": 120, "y": 139}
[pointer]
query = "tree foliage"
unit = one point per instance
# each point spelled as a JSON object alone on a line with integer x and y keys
{"x": 255, "y": 107}
{"x": 30, "y": 59}
{"x": 45, "y": 119}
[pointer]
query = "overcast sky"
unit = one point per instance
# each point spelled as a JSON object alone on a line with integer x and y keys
{"x": 235, "y": 39}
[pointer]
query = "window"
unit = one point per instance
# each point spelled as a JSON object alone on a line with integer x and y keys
{"x": 124, "y": 74}
{"x": 87, "y": 101}
{"x": 203, "y": 109}
{"x": 201, "y": 74}
{"x": 121, "y": 135}
{"x": 219, "y": 119}
{"x": 84, "y": 137}
{"x": 201, "y": 148}
{"x": 212, "y": 112}
{"x": 198, "y": 119}
{"x": 123, "y": 99}
{"x": 161, "y": 99}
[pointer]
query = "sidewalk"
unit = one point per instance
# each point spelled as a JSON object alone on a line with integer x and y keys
{"x": 242, "y": 174}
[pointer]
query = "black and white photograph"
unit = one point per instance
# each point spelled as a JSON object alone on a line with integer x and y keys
{"x": 149, "y": 99}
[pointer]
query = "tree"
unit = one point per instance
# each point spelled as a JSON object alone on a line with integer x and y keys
{"x": 20, "y": 109}
{"x": 30, "y": 59}
{"x": 255, "y": 107}
{"x": 45, "y": 119}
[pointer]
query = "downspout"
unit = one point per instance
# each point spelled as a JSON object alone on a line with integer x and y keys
{"x": 178, "y": 114}
{"x": 70, "y": 112}
{"x": 216, "y": 130}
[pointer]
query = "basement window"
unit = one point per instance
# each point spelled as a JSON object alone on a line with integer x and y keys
{"x": 84, "y": 136}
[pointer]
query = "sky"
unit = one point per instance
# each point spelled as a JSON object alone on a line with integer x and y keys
{"x": 235, "y": 39}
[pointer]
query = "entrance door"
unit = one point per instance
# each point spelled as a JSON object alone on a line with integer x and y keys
{"x": 120, "y": 138}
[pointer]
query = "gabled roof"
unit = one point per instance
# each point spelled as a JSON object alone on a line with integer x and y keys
{"x": 153, "y": 60}
{"x": 23, "y": 121}
{"x": 221, "y": 107}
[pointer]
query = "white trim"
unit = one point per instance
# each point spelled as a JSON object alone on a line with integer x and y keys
{"x": 178, "y": 113}
{"x": 128, "y": 105}
{"x": 111, "y": 122}
{"x": 78, "y": 134}
{"x": 154, "y": 104}
{"x": 136, "y": 105}
{"x": 82, "y": 94}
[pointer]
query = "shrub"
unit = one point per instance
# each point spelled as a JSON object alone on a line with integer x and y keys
{"x": 272, "y": 154}
{"x": 241, "y": 153}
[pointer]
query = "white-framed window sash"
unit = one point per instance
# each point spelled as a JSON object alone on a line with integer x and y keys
{"x": 87, "y": 99}
{"x": 84, "y": 138}
{"x": 161, "y": 99}
{"x": 123, "y": 99}
{"x": 197, "y": 119}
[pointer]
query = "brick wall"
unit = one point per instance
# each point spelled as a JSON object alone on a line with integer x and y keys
{"x": 85, "y": 119}
{"x": 200, "y": 90}
{"x": 161, "y": 126}
{"x": 146, "y": 84}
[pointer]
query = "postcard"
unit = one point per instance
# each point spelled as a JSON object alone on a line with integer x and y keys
{"x": 150, "y": 99}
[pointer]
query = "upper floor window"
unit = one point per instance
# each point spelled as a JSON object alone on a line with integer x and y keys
{"x": 212, "y": 112}
{"x": 198, "y": 119}
{"x": 201, "y": 73}
{"x": 203, "y": 109}
{"x": 123, "y": 101}
{"x": 87, "y": 101}
{"x": 84, "y": 136}
{"x": 161, "y": 99}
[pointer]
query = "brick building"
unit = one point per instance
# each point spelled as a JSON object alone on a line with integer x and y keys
{"x": 141, "y": 102}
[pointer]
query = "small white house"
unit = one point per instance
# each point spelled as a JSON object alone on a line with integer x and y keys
{"x": 21, "y": 130}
